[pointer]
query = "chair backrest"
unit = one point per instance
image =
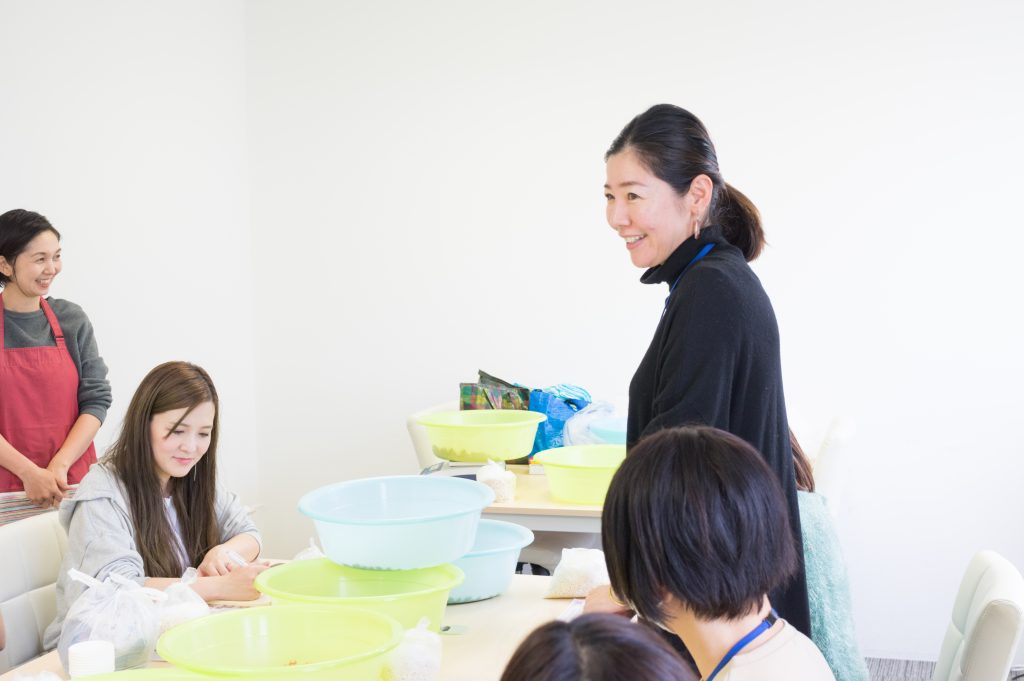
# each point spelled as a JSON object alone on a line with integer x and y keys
{"x": 831, "y": 463}
{"x": 31, "y": 551}
{"x": 988, "y": 617}
{"x": 418, "y": 434}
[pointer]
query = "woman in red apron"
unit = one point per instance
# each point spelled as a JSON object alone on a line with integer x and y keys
{"x": 46, "y": 430}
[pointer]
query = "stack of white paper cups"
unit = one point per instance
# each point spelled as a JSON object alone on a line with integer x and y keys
{"x": 87, "y": 658}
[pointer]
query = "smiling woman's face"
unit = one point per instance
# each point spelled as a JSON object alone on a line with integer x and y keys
{"x": 645, "y": 211}
{"x": 177, "y": 447}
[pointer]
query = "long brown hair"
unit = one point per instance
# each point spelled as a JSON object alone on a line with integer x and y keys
{"x": 170, "y": 386}
{"x": 802, "y": 465}
{"x": 676, "y": 147}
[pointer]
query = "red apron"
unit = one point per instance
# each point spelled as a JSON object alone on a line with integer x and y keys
{"x": 39, "y": 402}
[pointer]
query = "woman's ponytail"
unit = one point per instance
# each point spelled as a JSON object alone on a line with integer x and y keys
{"x": 740, "y": 220}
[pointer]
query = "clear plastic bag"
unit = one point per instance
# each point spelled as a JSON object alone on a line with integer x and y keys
{"x": 579, "y": 571}
{"x": 117, "y": 610}
{"x": 502, "y": 481}
{"x": 577, "y": 429}
{"x": 417, "y": 657}
{"x": 183, "y": 603}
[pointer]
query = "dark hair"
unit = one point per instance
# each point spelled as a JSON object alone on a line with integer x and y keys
{"x": 801, "y": 465}
{"x": 674, "y": 145}
{"x": 170, "y": 386}
{"x": 696, "y": 513}
{"x": 595, "y": 647}
{"x": 17, "y": 228}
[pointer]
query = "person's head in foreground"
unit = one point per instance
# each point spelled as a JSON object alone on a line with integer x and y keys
{"x": 696, "y": 534}
{"x": 595, "y": 647}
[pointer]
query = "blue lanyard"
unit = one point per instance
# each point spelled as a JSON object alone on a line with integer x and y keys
{"x": 764, "y": 626}
{"x": 700, "y": 256}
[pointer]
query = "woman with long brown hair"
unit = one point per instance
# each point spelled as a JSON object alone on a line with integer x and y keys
{"x": 152, "y": 507}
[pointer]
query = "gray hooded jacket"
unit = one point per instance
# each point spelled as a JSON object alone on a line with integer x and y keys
{"x": 101, "y": 537}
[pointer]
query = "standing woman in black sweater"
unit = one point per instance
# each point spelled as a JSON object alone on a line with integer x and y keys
{"x": 714, "y": 359}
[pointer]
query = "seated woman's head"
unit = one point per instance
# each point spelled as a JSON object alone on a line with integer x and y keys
{"x": 595, "y": 648}
{"x": 695, "y": 519}
{"x": 167, "y": 448}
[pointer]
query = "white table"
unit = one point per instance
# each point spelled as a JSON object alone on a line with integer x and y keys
{"x": 534, "y": 508}
{"x": 490, "y": 632}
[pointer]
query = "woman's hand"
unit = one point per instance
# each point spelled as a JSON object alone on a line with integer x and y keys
{"x": 217, "y": 562}
{"x": 237, "y": 584}
{"x": 60, "y": 471}
{"x": 43, "y": 487}
{"x": 600, "y": 599}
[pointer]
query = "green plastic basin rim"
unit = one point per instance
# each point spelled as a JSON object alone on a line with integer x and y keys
{"x": 456, "y": 575}
{"x": 397, "y": 632}
{"x": 430, "y": 419}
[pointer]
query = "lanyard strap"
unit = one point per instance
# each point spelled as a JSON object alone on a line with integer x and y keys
{"x": 704, "y": 251}
{"x": 764, "y": 626}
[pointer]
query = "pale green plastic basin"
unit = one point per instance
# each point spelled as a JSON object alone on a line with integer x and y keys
{"x": 406, "y": 595}
{"x": 581, "y": 474}
{"x": 308, "y": 642}
{"x": 482, "y": 434}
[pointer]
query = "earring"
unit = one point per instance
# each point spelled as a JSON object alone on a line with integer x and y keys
{"x": 696, "y": 230}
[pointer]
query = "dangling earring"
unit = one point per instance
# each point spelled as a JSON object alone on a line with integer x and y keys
{"x": 696, "y": 230}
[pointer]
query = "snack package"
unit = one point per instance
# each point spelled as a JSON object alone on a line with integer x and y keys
{"x": 183, "y": 603}
{"x": 579, "y": 572}
{"x": 117, "y": 610}
{"x": 502, "y": 481}
{"x": 417, "y": 657}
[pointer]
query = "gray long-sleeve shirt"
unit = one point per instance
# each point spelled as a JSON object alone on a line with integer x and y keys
{"x": 101, "y": 536}
{"x": 31, "y": 330}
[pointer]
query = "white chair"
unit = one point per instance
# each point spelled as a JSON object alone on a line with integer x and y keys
{"x": 831, "y": 463}
{"x": 32, "y": 550}
{"x": 418, "y": 434}
{"x": 988, "y": 617}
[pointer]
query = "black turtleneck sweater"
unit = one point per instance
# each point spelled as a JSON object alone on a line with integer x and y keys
{"x": 715, "y": 360}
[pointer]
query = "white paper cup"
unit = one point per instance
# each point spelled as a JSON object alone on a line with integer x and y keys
{"x": 87, "y": 658}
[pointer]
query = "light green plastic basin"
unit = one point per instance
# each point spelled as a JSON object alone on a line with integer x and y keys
{"x": 406, "y": 595}
{"x": 581, "y": 474}
{"x": 308, "y": 642}
{"x": 482, "y": 434}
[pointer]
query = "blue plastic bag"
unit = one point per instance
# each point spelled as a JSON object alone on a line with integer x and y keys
{"x": 559, "y": 403}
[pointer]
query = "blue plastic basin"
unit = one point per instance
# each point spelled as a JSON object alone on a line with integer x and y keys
{"x": 492, "y": 562}
{"x": 401, "y": 522}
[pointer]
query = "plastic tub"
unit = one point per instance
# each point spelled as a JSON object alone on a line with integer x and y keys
{"x": 299, "y": 642}
{"x": 492, "y": 562}
{"x": 397, "y": 523}
{"x": 482, "y": 434}
{"x": 611, "y": 430}
{"x": 581, "y": 474}
{"x": 406, "y": 595}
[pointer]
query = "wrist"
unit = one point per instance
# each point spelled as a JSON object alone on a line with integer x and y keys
{"x": 26, "y": 470}
{"x": 208, "y": 587}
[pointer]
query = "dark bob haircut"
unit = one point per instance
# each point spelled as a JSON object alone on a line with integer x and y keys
{"x": 696, "y": 513}
{"x": 676, "y": 147}
{"x": 596, "y": 647}
{"x": 17, "y": 228}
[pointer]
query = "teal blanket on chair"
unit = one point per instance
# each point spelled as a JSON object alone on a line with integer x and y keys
{"x": 828, "y": 591}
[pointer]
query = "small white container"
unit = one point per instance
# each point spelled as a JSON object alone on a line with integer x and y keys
{"x": 87, "y": 658}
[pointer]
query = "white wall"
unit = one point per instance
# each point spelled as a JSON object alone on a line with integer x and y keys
{"x": 426, "y": 191}
{"x": 423, "y": 199}
{"x": 124, "y": 124}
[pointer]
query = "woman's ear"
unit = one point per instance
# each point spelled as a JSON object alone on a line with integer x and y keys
{"x": 700, "y": 193}
{"x": 5, "y": 267}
